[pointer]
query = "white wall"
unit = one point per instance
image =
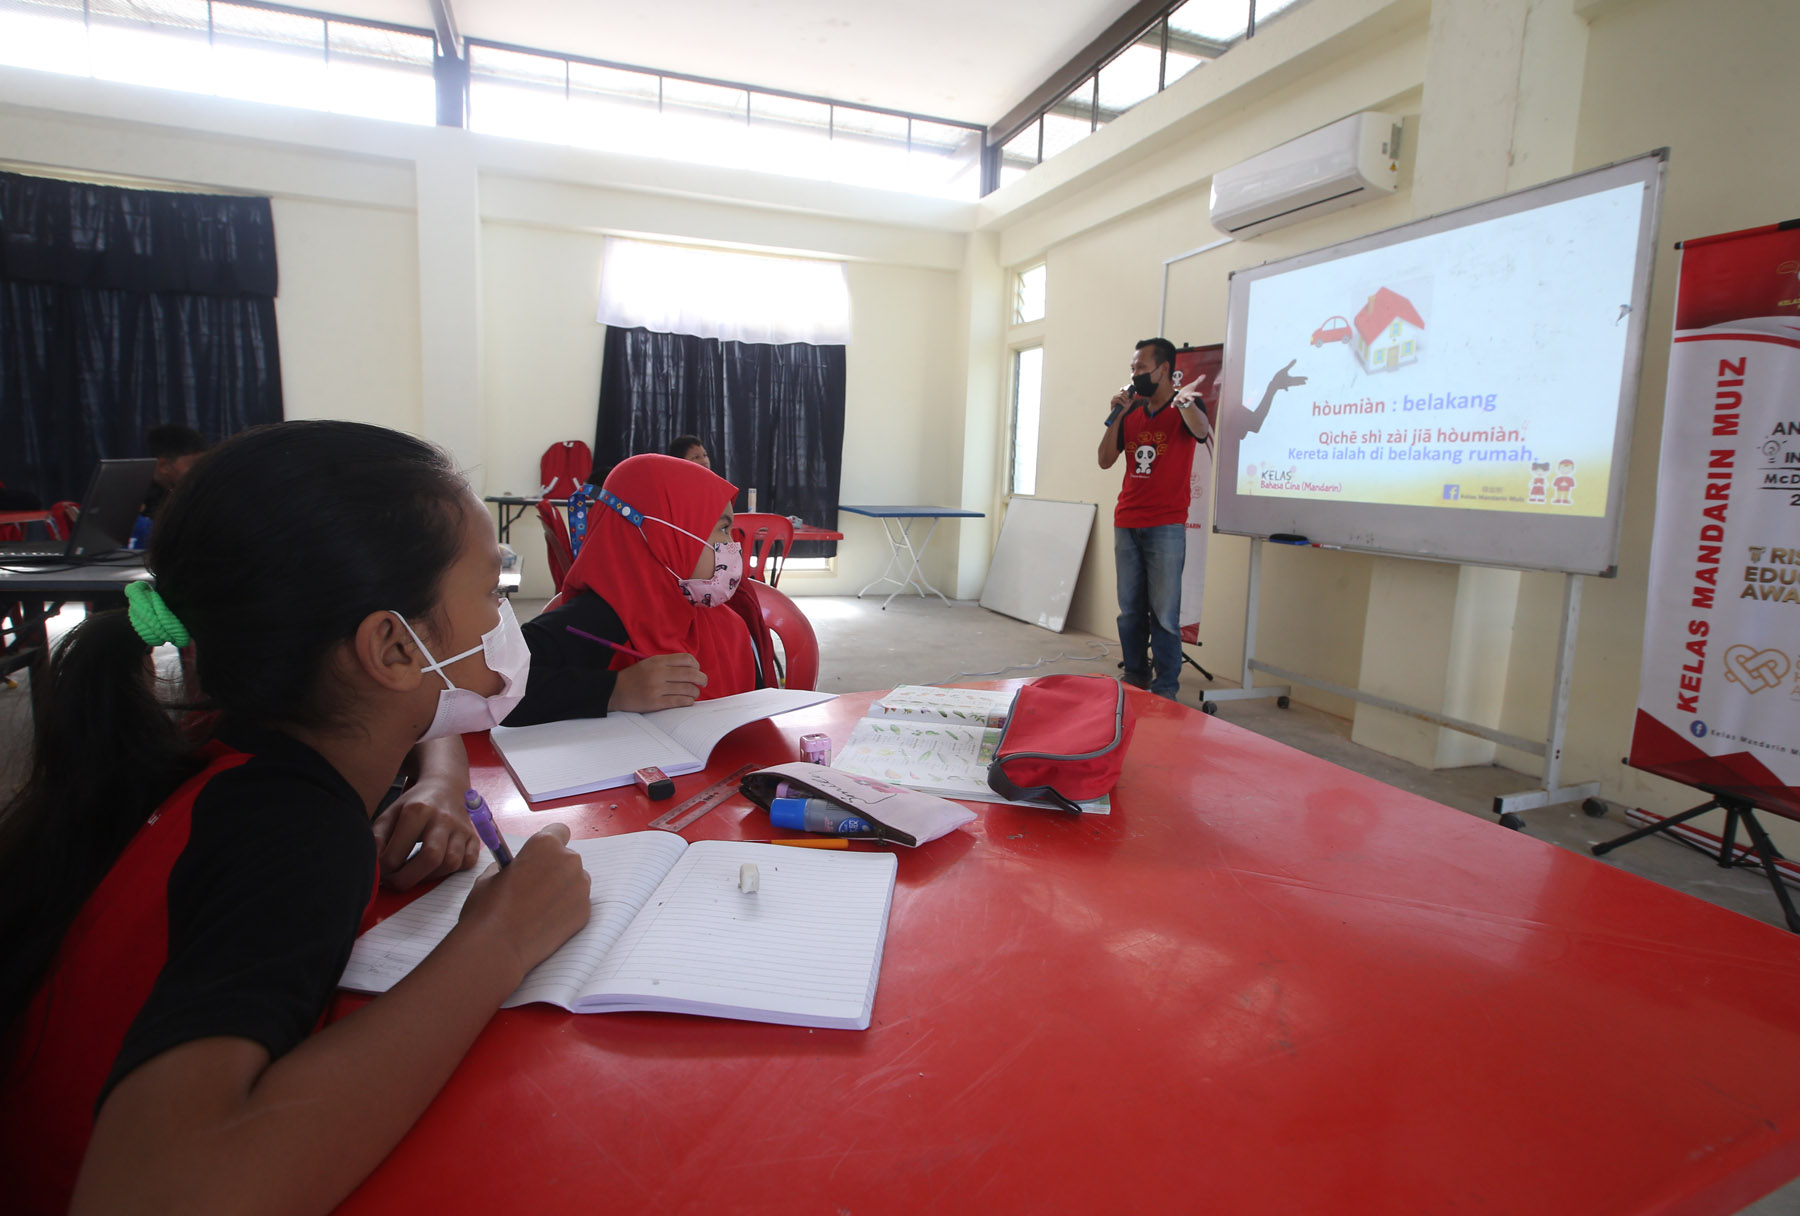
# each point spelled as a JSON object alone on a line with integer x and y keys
{"x": 348, "y": 313}
{"x": 541, "y": 371}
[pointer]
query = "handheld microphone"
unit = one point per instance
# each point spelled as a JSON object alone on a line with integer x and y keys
{"x": 1130, "y": 392}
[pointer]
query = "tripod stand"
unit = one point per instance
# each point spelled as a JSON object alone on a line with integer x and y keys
{"x": 1736, "y": 810}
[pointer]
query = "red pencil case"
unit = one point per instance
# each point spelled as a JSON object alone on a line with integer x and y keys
{"x": 1064, "y": 742}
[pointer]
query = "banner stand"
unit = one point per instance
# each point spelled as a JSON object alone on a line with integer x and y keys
{"x": 1736, "y": 810}
{"x": 1507, "y": 806}
{"x": 1718, "y": 704}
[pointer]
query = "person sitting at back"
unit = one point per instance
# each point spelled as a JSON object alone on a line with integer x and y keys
{"x": 659, "y": 574}
{"x": 689, "y": 447}
{"x": 176, "y": 448}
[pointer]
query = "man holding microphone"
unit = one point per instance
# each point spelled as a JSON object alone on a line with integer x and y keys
{"x": 1156, "y": 429}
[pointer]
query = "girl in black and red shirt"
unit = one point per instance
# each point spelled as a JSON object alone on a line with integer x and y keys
{"x": 176, "y": 913}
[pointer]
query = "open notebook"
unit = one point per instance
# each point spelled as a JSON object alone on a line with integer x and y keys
{"x": 671, "y": 931}
{"x": 580, "y": 755}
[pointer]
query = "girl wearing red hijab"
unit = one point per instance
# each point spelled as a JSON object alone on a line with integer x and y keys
{"x": 659, "y": 573}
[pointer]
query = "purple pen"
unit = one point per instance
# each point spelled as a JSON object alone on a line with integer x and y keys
{"x": 483, "y": 819}
{"x": 626, "y": 650}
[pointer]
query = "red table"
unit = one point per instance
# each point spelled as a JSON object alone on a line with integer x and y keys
{"x": 1264, "y": 984}
{"x": 814, "y": 532}
{"x": 24, "y": 519}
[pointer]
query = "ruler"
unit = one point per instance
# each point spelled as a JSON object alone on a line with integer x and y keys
{"x": 684, "y": 813}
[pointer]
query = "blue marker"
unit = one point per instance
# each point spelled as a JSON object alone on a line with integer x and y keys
{"x": 483, "y": 820}
{"x": 817, "y": 815}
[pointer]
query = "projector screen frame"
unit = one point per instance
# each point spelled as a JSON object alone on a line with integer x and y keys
{"x": 1508, "y": 539}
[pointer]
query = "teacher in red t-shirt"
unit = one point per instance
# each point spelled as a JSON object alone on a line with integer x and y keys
{"x": 1156, "y": 430}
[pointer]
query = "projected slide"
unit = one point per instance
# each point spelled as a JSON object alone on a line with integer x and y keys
{"x": 1475, "y": 369}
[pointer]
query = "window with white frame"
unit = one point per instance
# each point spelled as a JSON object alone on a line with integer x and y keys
{"x": 562, "y": 99}
{"x": 1027, "y": 399}
{"x": 289, "y": 57}
{"x": 1183, "y": 36}
{"x": 1028, "y": 295}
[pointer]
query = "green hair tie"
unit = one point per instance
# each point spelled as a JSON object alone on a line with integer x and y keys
{"x": 151, "y": 617}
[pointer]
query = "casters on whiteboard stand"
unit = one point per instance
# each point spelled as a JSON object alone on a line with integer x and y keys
{"x": 1593, "y": 808}
{"x": 1282, "y": 702}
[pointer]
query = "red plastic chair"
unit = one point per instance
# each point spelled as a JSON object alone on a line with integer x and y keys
{"x": 790, "y": 626}
{"x": 759, "y": 534}
{"x": 556, "y": 541}
{"x": 63, "y": 517}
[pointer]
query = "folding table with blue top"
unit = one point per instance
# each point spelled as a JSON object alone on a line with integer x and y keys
{"x": 897, "y": 523}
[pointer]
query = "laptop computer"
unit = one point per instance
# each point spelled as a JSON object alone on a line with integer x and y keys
{"x": 108, "y": 512}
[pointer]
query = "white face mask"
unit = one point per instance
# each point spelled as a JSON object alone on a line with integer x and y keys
{"x": 461, "y": 710}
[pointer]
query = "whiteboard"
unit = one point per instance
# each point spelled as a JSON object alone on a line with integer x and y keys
{"x": 1460, "y": 388}
{"x": 1036, "y": 560}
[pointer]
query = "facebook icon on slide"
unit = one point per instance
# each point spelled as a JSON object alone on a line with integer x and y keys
{"x": 1452, "y": 493}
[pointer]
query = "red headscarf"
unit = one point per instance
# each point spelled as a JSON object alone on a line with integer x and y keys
{"x": 634, "y": 569}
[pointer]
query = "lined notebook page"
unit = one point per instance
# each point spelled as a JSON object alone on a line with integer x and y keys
{"x": 805, "y": 949}
{"x": 624, "y": 871}
{"x": 700, "y": 726}
{"x": 579, "y": 755}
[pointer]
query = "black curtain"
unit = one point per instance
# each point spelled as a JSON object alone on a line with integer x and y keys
{"x": 123, "y": 309}
{"x": 771, "y": 417}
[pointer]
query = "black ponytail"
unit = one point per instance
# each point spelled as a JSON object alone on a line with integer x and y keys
{"x": 96, "y": 753}
{"x": 271, "y": 552}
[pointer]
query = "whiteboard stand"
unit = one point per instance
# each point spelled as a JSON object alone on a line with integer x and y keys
{"x": 1247, "y": 690}
{"x": 1507, "y": 806}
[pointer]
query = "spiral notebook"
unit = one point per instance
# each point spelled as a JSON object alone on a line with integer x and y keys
{"x": 671, "y": 930}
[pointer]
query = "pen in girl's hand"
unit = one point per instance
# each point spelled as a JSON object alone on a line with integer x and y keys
{"x": 483, "y": 820}
{"x": 582, "y": 633}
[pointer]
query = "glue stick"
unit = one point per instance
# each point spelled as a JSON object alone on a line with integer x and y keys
{"x": 817, "y": 815}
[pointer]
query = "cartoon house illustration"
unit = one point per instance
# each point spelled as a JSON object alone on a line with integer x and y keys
{"x": 1389, "y": 332}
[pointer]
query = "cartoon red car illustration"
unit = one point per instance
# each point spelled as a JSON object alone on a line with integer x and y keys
{"x": 1335, "y": 329}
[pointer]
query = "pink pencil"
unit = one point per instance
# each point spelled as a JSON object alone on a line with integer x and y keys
{"x": 582, "y": 633}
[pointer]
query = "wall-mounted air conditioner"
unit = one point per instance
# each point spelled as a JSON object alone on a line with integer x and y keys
{"x": 1338, "y": 166}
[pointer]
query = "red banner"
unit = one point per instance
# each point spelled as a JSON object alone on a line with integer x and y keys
{"x": 1719, "y": 692}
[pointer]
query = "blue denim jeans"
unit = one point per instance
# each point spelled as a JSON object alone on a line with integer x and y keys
{"x": 1149, "y": 561}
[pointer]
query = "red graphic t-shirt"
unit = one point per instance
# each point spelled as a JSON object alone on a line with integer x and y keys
{"x": 1158, "y": 455}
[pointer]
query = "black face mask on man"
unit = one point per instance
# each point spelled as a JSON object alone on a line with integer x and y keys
{"x": 1142, "y": 384}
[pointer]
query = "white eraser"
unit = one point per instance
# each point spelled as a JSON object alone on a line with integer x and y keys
{"x": 748, "y": 878}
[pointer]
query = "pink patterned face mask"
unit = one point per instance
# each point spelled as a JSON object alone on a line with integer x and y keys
{"x": 728, "y": 572}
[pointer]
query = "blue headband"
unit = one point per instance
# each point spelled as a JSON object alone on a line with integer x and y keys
{"x": 626, "y": 511}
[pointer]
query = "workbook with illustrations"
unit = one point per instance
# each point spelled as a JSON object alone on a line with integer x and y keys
{"x": 938, "y": 740}
{"x": 673, "y": 930}
{"x": 580, "y": 755}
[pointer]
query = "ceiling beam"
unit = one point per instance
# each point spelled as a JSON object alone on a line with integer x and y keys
{"x": 449, "y": 37}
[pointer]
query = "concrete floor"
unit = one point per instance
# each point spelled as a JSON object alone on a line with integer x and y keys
{"x": 913, "y": 641}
